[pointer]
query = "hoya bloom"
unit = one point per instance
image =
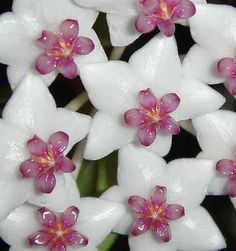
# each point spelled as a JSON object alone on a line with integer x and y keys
{"x": 212, "y": 58}
{"x": 128, "y": 19}
{"x": 47, "y": 37}
{"x": 142, "y": 101}
{"x": 81, "y": 226}
{"x": 35, "y": 139}
{"x": 162, "y": 202}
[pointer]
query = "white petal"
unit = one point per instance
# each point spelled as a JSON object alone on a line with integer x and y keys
{"x": 122, "y": 30}
{"x": 216, "y": 133}
{"x": 145, "y": 168}
{"x": 89, "y": 247}
{"x": 107, "y": 133}
{"x": 200, "y": 64}
{"x": 98, "y": 218}
{"x": 197, "y": 231}
{"x": 187, "y": 181}
{"x": 115, "y": 91}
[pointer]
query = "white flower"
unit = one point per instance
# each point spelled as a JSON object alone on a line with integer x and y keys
{"x": 43, "y": 34}
{"x": 35, "y": 136}
{"x": 153, "y": 78}
{"x": 170, "y": 196}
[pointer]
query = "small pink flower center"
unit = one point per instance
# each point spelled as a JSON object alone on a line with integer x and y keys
{"x": 154, "y": 214}
{"x": 164, "y": 12}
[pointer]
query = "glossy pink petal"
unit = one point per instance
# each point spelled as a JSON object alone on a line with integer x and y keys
{"x": 159, "y": 195}
{"x": 69, "y": 29}
{"x": 162, "y": 231}
{"x": 140, "y": 226}
{"x": 134, "y": 117}
{"x": 46, "y": 182}
{"x": 39, "y": 239}
{"x": 45, "y": 63}
{"x": 173, "y": 212}
{"x": 167, "y": 28}
{"x": 185, "y": 9}
{"x": 145, "y": 23}
{"x": 58, "y": 246}
{"x": 48, "y": 40}
{"x": 47, "y": 217}
{"x": 75, "y": 239}
{"x": 169, "y": 103}
{"x": 169, "y": 125}
{"x": 67, "y": 68}
{"x": 58, "y": 142}
{"x": 30, "y": 168}
{"x": 36, "y": 146}
{"x": 232, "y": 86}
{"x": 225, "y": 67}
{"x": 69, "y": 217}
{"x": 83, "y": 46}
{"x": 149, "y": 6}
{"x": 226, "y": 166}
{"x": 147, "y": 135}
{"x": 65, "y": 165}
{"x": 147, "y": 99}
{"x": 232, "y": 187}
{"x": 138, "y": 204}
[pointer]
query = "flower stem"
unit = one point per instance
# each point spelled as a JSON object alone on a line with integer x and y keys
{"x": 77, "y": 102}
{"x": 187, "y": 126}
{"x": 117, "y": 53}
{"x": 108, "y": 242}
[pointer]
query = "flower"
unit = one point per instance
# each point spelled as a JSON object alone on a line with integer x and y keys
{"x": 83, "y": 225}
{"x": 177, "y": 220}
{"x": 128, "y": 19}
{"x": 32, "y": 111}
{"x": 211, "y": 59}
{"x": 155, "y": 66}
{"x": 29, "y": 36}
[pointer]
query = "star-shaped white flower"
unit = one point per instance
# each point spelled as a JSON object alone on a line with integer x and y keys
{"x": 149, "y": 92}
{"x": 163, "y": 202}
{"x": 212, "y": 58}
{"x": 83, "y": 225}
{"x": 48, "y": 37}
{"x": 128, "y": 19}
{"x": 35, "y": 137}
{"x": 216, "y": 133}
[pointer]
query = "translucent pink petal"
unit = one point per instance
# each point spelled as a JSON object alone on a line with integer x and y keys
{"x": 185, "y": 9}
{"x": 147, "y": 99}
{"x": 69, "y": 29}
{"x": 140, "y": 226}
{"x": 48, "y": 40}
{"x": 37, "y": 146}
{"x": 225, "y": 67}
{"x": 226, "y": 166}
{"x": 38, "y": 239}
{"x": 162, "y": 231}
{"x": 147, "y": 135}
{"x": 145, "y": 23}
{"x": 69, "y": 216}
{"x": 58, "y": 142}
{"x": 75, "y": 239}
{"x": 58, "y": 246}
{"x": 167, "y": 28}
{"x": 83, "y": 46}
{"x": 67, "y": 68}
{"x": 159, "y": 195}
{"x": 45, "y": 63}
{"x": 169, "y": 125}
{"x": 46, "y": 182}
{"x": 65, "y": 165}
{"x": 149, "y": 6}
{"x": 173, "y": 212}
{"x": 138, "y": 204}
{"x": 30, "y": 168}
{"x": 134, "y": 117}
{"x": 232, "y": 187}
{"x": 47, "y": 217}
{"x": 232, "y": 86}
{"x": 169, "y": 103}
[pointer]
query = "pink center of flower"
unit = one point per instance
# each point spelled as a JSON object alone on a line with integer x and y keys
{"x": 59, "y": 50}
{"x": 45, "y": 160}
{"x": 162, "y": 14}
{"x": 154, "y": 214}
{"x": 228, "y": 167}
{"x": 57, "y": 230}
{"x": 153, "y": 114}
{"x": 226, "y": 67}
